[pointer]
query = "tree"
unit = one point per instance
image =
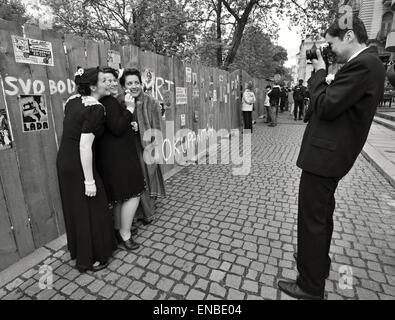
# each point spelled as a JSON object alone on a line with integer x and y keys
{"x": 13, "y": 10}
{"x": 160, "y": 26}
{"x": 258, "y": 55}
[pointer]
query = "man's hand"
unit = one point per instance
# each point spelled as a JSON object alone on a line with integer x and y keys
{"x": 320, "y": 63}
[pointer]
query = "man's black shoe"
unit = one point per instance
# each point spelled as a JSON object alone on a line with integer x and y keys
{"x": 296, "y": 259}
{"x": 292, "y": 289}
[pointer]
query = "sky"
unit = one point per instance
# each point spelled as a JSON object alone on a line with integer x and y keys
{"x": 290, "y": 40}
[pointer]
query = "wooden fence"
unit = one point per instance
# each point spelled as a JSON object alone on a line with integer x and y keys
{"x": 30, "y": 204}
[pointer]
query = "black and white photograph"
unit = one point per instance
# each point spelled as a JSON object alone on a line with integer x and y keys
{"x": 207, "y": 157}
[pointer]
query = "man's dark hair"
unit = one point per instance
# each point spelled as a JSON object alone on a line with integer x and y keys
{"x": 129, "y": 72}
{"x": 301, "y": 81}
{"x": 335, "y": 30}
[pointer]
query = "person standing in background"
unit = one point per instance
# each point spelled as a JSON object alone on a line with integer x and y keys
{"x": 248, "y": 106}
{"x": 299, "y": 96}
{"x": 267, "y": 104}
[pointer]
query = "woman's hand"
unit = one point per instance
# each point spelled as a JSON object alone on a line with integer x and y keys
{"x": 129, "y": 102}
{"x": 135, "y": 126}
{"x": 90, "y": 189}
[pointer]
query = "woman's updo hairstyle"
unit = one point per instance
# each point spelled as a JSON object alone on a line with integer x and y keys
{"x": 84, "y": 78}
{"x": 129, "y": 72}
{"x": 111, "y": 70}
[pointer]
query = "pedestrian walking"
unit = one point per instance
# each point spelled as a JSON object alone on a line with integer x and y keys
{"x": 340, "y": 116}
{"x": 274, "y": 96}
{"x": 89, "y": 230}
{"x": 118, "y": 162}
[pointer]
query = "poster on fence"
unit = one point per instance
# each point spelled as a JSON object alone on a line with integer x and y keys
{"x": 181, "y": 95}
{"x": 32, "y": 51}
{"x": 215, "y": 95}
{"x": 114, "y": 59}
{"x": 34, "y": 113}
{"x": 183, "y": 120}
{"x": 148, "y": 78}
{"x": 188, "y": 74}
{"x": 5, "y": 131}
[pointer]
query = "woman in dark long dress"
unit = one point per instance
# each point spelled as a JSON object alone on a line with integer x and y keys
{"x": 148, "y": 116}
{"x": 118, "y": 162}
{"x": 90, "y": 236}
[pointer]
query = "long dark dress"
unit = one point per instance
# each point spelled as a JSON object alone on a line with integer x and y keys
{"x": 117, "y": 159}
{"x": 89, "y": 228}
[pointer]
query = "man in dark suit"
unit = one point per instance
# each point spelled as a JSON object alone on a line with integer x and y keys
{"x": 339, "y": 119}
{"x": 299, "y": 96}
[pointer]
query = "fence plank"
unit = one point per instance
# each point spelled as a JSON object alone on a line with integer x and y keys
{"x": 9, "y": 163}
{"x": 166, "y": 94}
{"x": 92, "y": 53}
{"x": 130, "y": 57}
{"x": 63, "y": 87}
{"x": 75, "y": 53}
{"x": 37, "y": 155}
{"x": 8, "y": 249}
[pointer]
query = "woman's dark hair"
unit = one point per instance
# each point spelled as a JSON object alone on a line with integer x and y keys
{"x": 129, "y": 72}
{"x": 335, "y": 30}
{"x": 89, "y": 78}
{"x": 111, "y": 70}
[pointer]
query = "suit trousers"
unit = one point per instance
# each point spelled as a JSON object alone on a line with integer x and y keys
{"x": 315, "y": 228}
{"x": 299, "y": 105}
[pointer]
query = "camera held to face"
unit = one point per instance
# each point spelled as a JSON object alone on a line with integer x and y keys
{"x": 326, "y": 51}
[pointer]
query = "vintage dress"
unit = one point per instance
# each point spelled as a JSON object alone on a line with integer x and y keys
{"x": 117, "y": 159}
{"x": 89, "y": 228}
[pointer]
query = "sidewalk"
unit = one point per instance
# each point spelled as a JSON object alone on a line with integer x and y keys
{"x": 380, "y": 150}
{"x": 219, "y": 236}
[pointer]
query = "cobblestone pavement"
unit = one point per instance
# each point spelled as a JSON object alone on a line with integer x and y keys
{"x": 218, "y": 236}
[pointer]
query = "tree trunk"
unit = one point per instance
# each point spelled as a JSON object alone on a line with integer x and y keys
{"x": 219, "y": 34}
{"x": 238, "y": 34}
{"x": 136, "y": 35}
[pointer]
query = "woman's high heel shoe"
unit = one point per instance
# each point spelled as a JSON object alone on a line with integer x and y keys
{"x": 96, "y": 268}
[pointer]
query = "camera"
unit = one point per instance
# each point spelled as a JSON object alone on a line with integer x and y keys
{"x": 326, "y": 52}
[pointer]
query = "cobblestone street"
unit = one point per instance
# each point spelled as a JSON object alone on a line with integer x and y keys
{"x": 219, "y": 236}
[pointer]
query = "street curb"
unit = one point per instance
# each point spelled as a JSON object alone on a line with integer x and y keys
{"x": 23, "y": 265}
{"x": 383, "y": 165}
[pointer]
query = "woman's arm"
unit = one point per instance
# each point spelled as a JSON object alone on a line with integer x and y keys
{"x": 86, "y": 156}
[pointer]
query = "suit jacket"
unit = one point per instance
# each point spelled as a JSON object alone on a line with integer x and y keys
{"x": 340, "y": 115}
{"x": 299, "y": 93}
